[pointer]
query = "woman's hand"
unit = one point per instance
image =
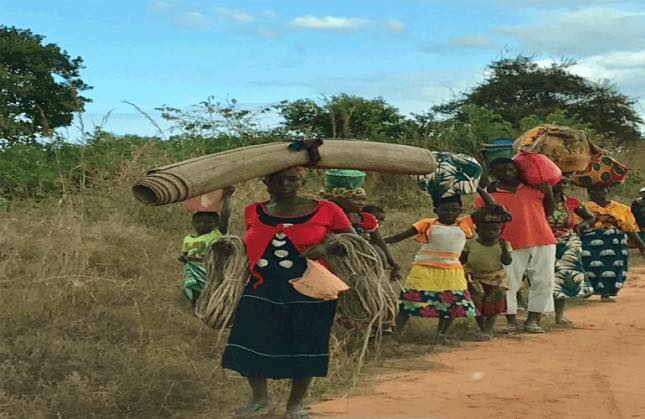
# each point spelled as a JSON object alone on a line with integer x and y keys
{"x": 317, "y": 251}
{"x": 222, "y": 247}
{"x": 545, "y": 187}
{"x": 581, "y": 228}
{"x": 325, "y": 249}
{"x": 395, "y": 272}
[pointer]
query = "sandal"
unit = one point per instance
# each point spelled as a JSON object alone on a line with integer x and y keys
{"x": 512, "y": 328}
{"x": 564, "y": 322}
{"x": 482, "y": 337}
{"x": 252, "y": 409}
{"x": 533, "y": 328}
{"x": 300, "y": 413}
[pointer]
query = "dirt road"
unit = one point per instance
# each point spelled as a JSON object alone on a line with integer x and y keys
{"x": 594, "y": 371}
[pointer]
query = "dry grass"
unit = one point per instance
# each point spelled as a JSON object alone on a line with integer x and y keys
{"x": 94, "y": 324}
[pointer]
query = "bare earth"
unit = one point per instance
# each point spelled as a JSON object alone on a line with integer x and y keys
{"x": 594, "y": 371}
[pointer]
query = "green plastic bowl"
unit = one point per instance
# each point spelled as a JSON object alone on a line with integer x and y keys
{"x": 344, "y": 178}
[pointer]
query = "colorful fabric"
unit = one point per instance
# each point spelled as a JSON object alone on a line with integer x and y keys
{"x": 529, "y": 226}
{"x": 602, "y": 170}
{"x": 278, "y": 332}
{"x": 489, "y": 300}
{"x": 442, "y": 244}
{"x": 495, "y": 278}
{"x": 613, "y": 215}
{"x": 564, "y": 218}
{"x": 436, "y": 292}
{"x": 605, "y": 258}
{"x": 570, "y": 278}
{"x": 569, "y": 148}
{"x": 196, "y": 246}
{"x": 368, "y": 223}
{"x": 483, "y": 259}
{"x": 456, "y": 174}
{"x": 325, "y": 218}
{"x": 194, "y": 280}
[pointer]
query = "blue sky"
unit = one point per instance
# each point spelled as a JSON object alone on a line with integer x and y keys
{"x": 414, "y": 53}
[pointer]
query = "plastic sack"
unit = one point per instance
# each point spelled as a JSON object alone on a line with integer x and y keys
{"x": 319, "y": 283}
{"x": 602, "y": 170}
{"x": 456, "y": 174}
{"x": 536, "y": 169}
{"x": 569, "y": 148}
{"x": 209, "y": 202}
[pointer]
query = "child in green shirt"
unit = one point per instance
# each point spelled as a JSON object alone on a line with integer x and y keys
{"x": 208, "y": 227}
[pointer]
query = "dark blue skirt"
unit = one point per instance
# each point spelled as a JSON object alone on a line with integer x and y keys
{"x": 278, "y": 332}
{"x": 605, "y": 257}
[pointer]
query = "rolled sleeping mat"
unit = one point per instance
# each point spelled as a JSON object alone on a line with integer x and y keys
{"x": 190, "y": 178}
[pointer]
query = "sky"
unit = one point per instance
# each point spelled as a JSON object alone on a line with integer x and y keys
{"x": 413, "y": 53}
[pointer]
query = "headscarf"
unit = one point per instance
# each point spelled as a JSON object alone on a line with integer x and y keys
{"x": 491, "y": 214}
{"x": 438, "y": 199}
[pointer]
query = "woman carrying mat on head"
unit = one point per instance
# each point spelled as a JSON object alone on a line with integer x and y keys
{"x": 605, "y": 254}
{"x": 279, "y": 333}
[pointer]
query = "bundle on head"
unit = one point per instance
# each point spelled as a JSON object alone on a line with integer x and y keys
{"x": 371, "y": 300}
{"x": 227, "y": 274}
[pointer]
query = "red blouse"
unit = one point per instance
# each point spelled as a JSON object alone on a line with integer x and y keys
{"x": 326, "y": 218}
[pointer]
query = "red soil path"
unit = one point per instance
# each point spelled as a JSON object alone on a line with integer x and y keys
{"x": 596, "y": 370}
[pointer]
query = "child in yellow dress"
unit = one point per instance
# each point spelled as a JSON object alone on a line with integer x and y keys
{"x": 436, "y": 285}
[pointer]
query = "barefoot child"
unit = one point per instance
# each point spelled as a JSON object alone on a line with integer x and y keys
{"x": 208, "y": 227}
{"x": 484, "y": 259}
{"x": 436, "y": 285}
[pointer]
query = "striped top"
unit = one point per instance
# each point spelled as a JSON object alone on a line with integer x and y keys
{"x": 442, "y": 244}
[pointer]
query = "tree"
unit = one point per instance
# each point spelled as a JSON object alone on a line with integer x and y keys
{"x": 39, "y": 86}
{"x": 211, "y": 119}
{"x": 518, "y": 87}
{"x": 343, "y": 116}
{"x": 476, "y": 126}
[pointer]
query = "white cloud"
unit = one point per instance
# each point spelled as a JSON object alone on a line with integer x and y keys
{"x": 234, "y": 14}
{"x": 327, "y": 22}
{"x": 471, "y": 41}
{"x": 395, "y": 25}
{"x": 159, "y": 6}
{"x": 592, "y": 30}
{"x": 625, "y": 68}
{"x": 268, "y": 13}
{"x": 193, "y": 20}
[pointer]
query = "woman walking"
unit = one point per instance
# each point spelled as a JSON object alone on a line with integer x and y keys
{"x": 279, "y": 333}
{"x": 605, "y": 254}
{"x": 570, "y": 217}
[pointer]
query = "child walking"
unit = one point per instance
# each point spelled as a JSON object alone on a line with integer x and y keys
{"x": 436, "y": 285}
{"x": 208, "y": 227}
{"x": 484, "y": 258}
